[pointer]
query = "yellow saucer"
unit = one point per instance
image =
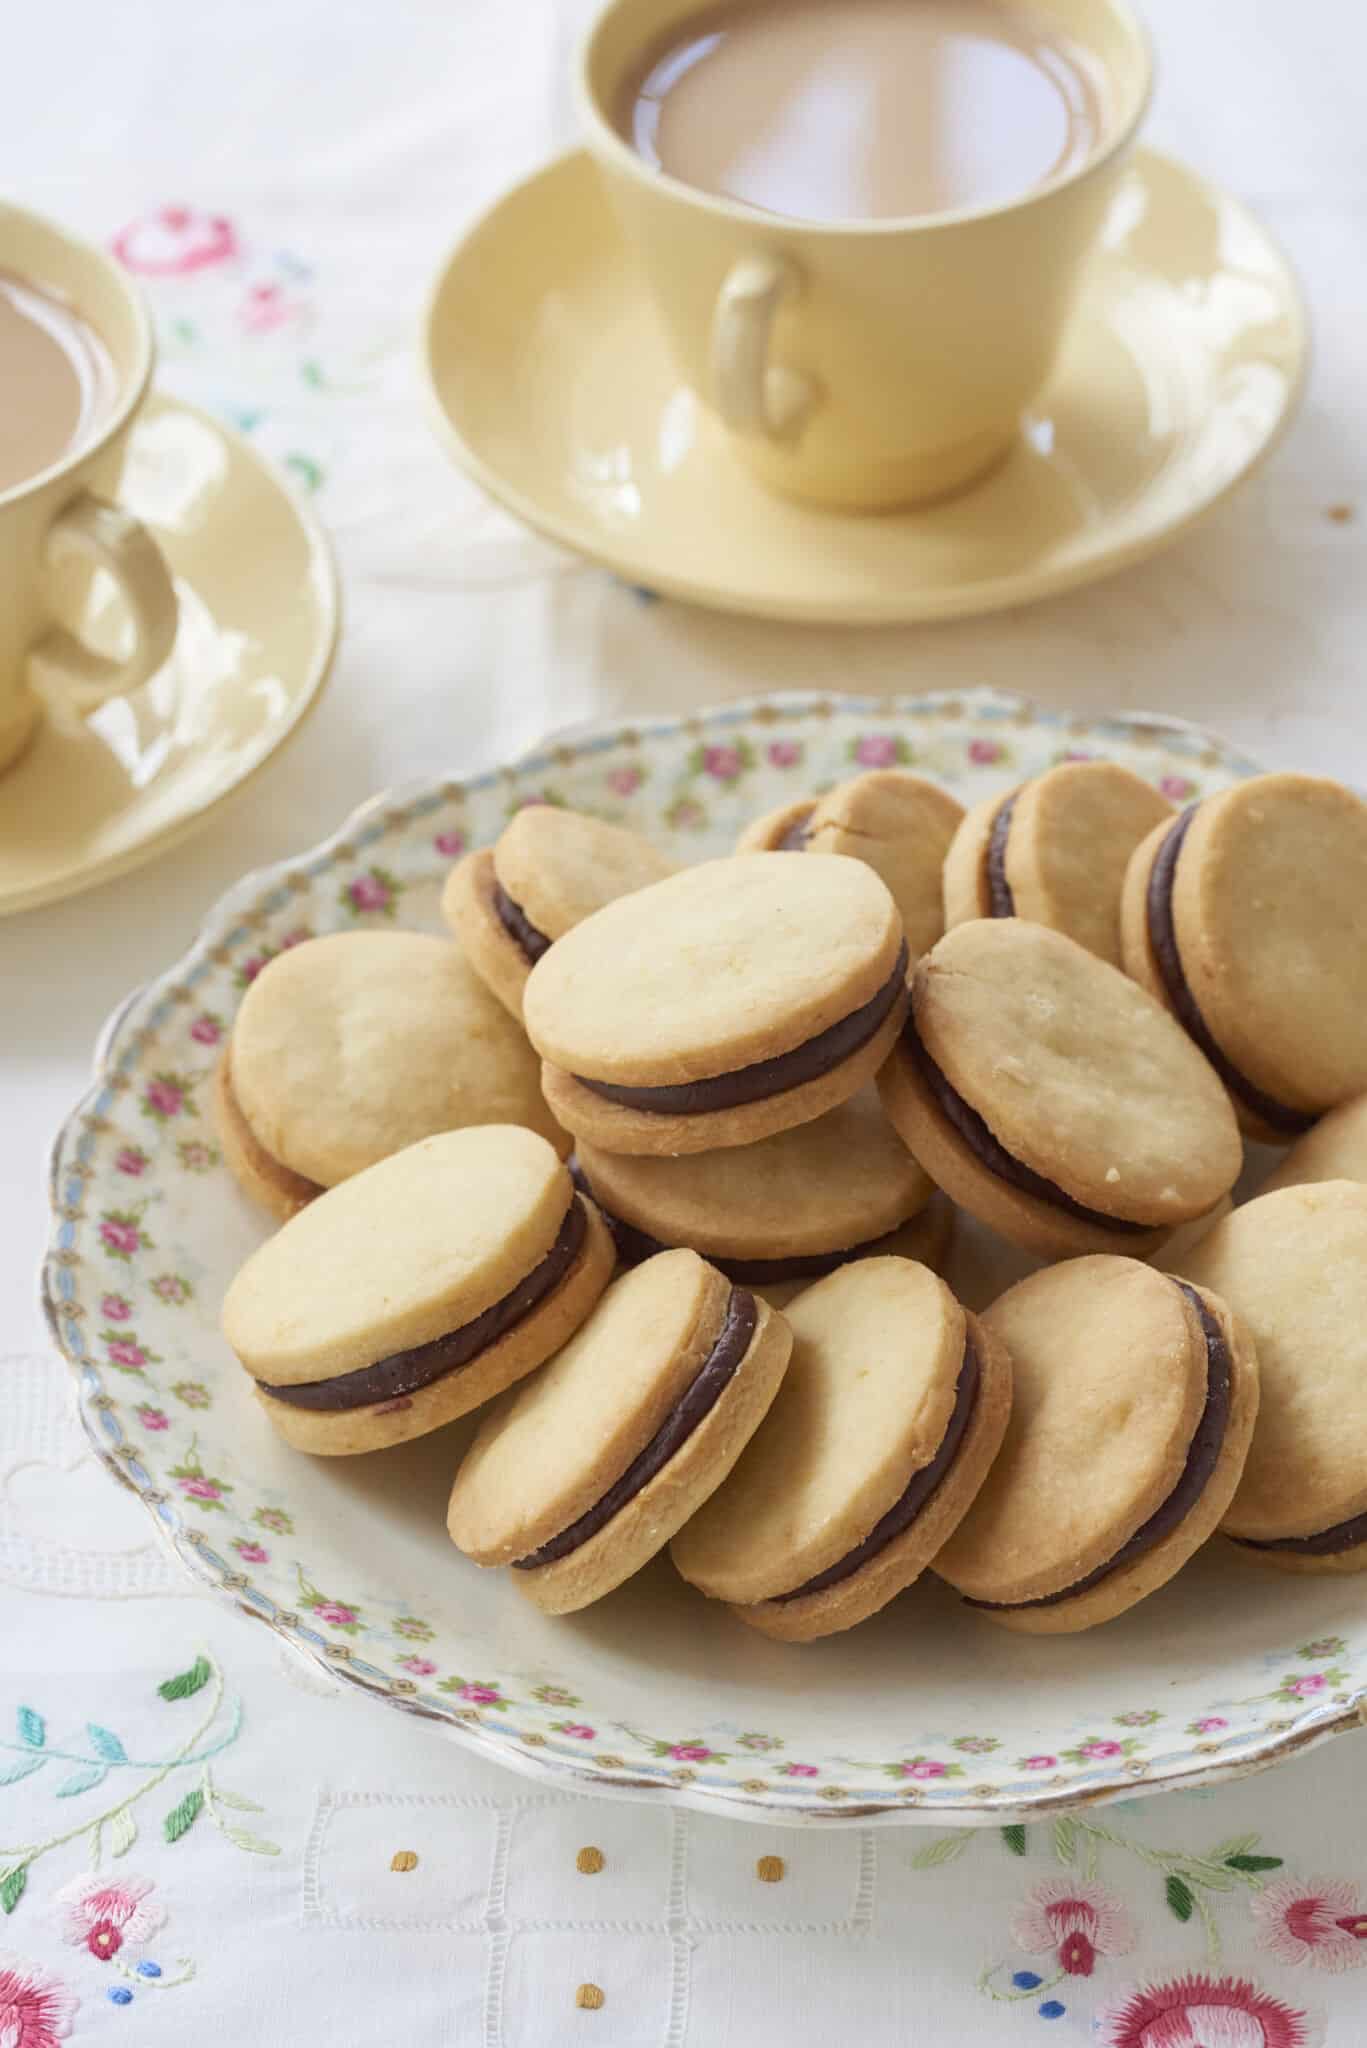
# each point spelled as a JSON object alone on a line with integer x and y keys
{"x": 554, "y": 389}
{"x": 258, "y": 624}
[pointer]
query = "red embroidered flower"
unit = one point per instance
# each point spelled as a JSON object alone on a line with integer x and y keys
{"x": 690, "y": 1752}
{"x": 132, "y": 1160}
{"x": 451, "y": 845}
{"x": 116, "y": 1307}
{"x": 1314, "y": 1920}
{"x": 580, "y": 1730}
{"x": 104, "y": 1914}
{"x": 1078, "y": 1920}
{"x": 1197, "y": 2010}
{"x": 206, "y": 1030}
{"x": 35, "y": 2009}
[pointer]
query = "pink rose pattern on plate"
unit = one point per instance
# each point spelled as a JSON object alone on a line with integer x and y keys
{"x": 153, "y": 1158}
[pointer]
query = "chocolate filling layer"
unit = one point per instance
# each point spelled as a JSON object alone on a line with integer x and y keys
{"x": 763, "y": 1078}
{"x": 710, "y": 1381}
{"x": 1202, "y": 1456}
{"x": 519, "y": 927}
{"x": 1001, "y": 902}
{"x": 634, "y": 1244}
{"x": 988, "y": 1152}
{"x": 920, "y": 1487}
{"x": 1324, "y": 1543}
{"x": 797, "y": 835}
{"x": 404, "y": 1372}
{"x": 1163, "y": 939}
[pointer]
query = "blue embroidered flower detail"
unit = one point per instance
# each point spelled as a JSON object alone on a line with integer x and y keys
{"x": 1026, "y": 1980}
{"x": 1052, "y": 2010}
{"x": 119, "y": 1994}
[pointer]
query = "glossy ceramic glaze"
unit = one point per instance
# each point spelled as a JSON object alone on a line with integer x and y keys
{"x": 554, "y": 387}
{"x": 258, "y": 620}
{"x": 924, "y": 1713}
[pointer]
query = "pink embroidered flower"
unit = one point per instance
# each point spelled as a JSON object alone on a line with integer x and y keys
{"x": 1100, "y": 1749}
{"x": 1303, "y": 1688}
{"x": 127, "y": 1352}
{"x": 480, "y": 1695}
{"x": 164, "y": 1097}
{"x": 689, "y": 1752}
{"x": 202, "y": 1489}
{"x": 450, "y": 845}
{"x": 421, "y": 1667}
{"x": 1039, "y": 1763}
{"x": 153, "y": 1418}
{"x": 1197, "y": 2010}
{"x": 35, "y": 2010}
{"x": 132, "y": 1160}
{"x": 555, "y": 1696}
{"x": 333, "y": 1611}
{"x": 1209, "y": 1724}
{"x": 785, "y": 753}
{"x": 295, "y": 938}
{"x": 923, "y": 1767}
{"x": 984, "y": 752}
{"x": 1075, "y": 754}
{"x": 369, "y": 892}
{"x": 760, "y": 1744}
{"x": 798, "y": 1771}
{"x": 1139, "y": 1717}
{"x": 723, "y": 764}
{"x": 1314, "y": 1920}
{"x": 626, "y": 780}
{"x": 976, "y": 1745}
{"x": 579, "y": 1730}
{"x": 171, "y": 1287}
{"x": 119, "y": 1237}
{"x": 105, "y": 1914}
{"x": 419, "y": 1631}
{"x": 878, "y": 750}
{"x": 276, "y": 1520}
{"x": 196, "y": 1156}
{"x": 250, "y": 968}
{"x": 685, "y": 815}
{"x": 206, "y": 1030}
{"x": 269, "y": 306}
{"x": 250, "y": 1552}
{"x": 116, "y": 1307}
{"x": 1177, "y": 788}
{"x": 1324, "y": 1646}
{"x": 1078, "y": 1920}
{"x": 193, "y": 1393}
{"x": 174, "y": 241}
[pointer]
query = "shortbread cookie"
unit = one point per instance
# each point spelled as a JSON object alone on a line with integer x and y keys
{"x": 900, "y": 824}
{"x": 927, "y": 1240}
{"x": 1336, "y": 1149}
{"x": 548, "y": 870}
{"x": 1294, "y": 1264}
{"x": 1055, "y": 851}
{"x": 582, "y": 1475}
{"x": 891, "y": 1413}
{"x": 791, "y": 1207}
{"x": 1247, "y": 917}
{"x": 349, "y": 1048}
{"x": 414, "y": 1291}
{"x": 1052, "y": 1098}
{"x": 736, "y": 999}
{"x": 1134, "y": 1402}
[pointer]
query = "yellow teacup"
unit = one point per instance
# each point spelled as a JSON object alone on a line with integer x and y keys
{"x": 864, "y": 364}
{"x": 64, "y": 511}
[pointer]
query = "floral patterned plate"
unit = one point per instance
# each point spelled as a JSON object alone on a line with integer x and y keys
{"x": 923, "y": 1714}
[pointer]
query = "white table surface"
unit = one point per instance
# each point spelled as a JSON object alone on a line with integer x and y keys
{"x": 349, "y": 144}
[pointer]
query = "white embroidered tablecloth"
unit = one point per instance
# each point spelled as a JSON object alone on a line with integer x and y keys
{"x": 199, "y": 1837}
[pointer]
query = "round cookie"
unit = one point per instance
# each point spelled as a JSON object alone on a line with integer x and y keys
{"x": 414, "y": 1291}
{"x": 1052, "y": 1098}
{"x": 548, "y": 870}
{"x": 1336, "y": 1149}
{"x": 791, "y": 1207}
{"x": 1247, "y": 917}
{"x": 900, "y": 824}
{"x": 738, "y": 998}
{"x": 348, "y": 1048}
{"x": 893, "y": 1408}
{"x": 1054, "y": 850}
{"x": 1294, "y": 1263}
{"x": 582, "y": 1475}
{"x": 1134, "y": 1403}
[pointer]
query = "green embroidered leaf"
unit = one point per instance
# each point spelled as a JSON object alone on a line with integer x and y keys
{"x": 1014, "y": 1838}
{"x": 1065, "y": 1839}
{"x": 1210, "y": 1879}
{"x": 123, "y": 1831}
{"x": 252, "y": 1843}
{"x": 1235, "y": 1846}
{"x": 226, "y": 1798}
{"x": 83, "y": 1779}
{"x": 185, "y": 1683}
{"x": 107, "y": 1743}
{"x": 183, "y": 1815}
{"x": 32, "y": 1728}
{"x": 1179, "y": 1898}
{"x": 944, "y": 1851}
{"x": 20, "y": 1767}
{"x": 1241, "y": 1862}
{"x": 12, "y": 1887}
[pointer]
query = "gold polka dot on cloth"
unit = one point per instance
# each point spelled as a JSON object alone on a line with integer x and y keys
{"x": 770, "y": 1869}
{"x": 589, "y": 1998}
{"x": 590, "y": 1861}
{"x": 404, "y": 1859}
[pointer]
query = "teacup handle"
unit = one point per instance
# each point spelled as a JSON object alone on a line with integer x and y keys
{"x": 67, "y": 671}
{"x": 753, "y": 395}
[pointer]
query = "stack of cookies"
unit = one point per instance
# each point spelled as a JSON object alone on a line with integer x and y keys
{"x": 757, "y": 1090}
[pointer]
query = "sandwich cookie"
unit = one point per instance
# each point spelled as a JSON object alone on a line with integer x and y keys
{"x": 416, "y": 1290}
{"x": 1055, "y": 851}
{"x": 1336, "y": 1149}
{"x": 1247, "y": 917}
{"x": 349, "y": 1048}
{"x": 738, "y": 998}
{"x": 900, "y": 824}
{"x": 1052, "y": 1098}
{"x": 1295, "y": 1264}
{"x": 790, "y": 1208}
{"x": 892, "y": 1410}
{"x": 1134, "y": 1402}
{"x": 549, "y": 869}
{"x": 582, "y": 1475}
